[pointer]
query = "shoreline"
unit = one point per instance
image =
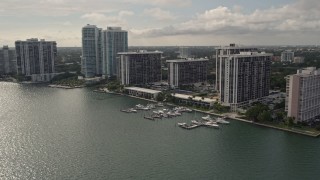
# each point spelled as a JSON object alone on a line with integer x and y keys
{"x": 311, "y": 134}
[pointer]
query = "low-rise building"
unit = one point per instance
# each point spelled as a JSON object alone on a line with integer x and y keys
{"x": 194, "y": 100}
{"x": 187, "y": 71}
{"x": 303, "y": 95}
{"x": 142, "y": 92}
{"x": 298, "y": 60}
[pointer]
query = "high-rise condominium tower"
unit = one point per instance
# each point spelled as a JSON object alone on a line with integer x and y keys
{"x": 303, "y": 95}
{"x": 100, "y": 48}
{"x": 115, "y": 40}
{"x": 91, "y": 60}
{"x": 243, "y": 75}
{"x": 8, "y": 61}
{"x": 35, "y": 57}
{"x": 187, "y": 71}
{"x": 139, "y": 68}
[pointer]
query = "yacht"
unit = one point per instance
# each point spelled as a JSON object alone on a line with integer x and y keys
{"x": 210, "y": 124}
{"x": 207, "y": 118}
{"x": 132, "y": 110}
{"x": 222, "y": 121}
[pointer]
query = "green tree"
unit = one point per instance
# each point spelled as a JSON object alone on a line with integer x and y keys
{"x": 264, "y": 116}
{"x": 255, "y": 111}
{"x": 289, "y": 121}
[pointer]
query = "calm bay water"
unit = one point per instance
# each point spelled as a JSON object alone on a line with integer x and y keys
{"x": 48, "y": 133}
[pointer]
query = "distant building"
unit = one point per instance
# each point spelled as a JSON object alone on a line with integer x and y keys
{"x": 184, "y": 52}
{"x": 243, "y": 75}
{"x": 8, "y": 61}
{"x": 287, "y": 56}
{"x": 36, "y": 57}
{"x": 115, "y": 40}
{"x": 91, "y": 60}
{"x": 298, "y": 60}
{"x": 303, "y": 95}
{"x": 100, "y": 48}
{"x": 276, "y": 59}
{"x": 187, "y": 71}
{"x": 139, "y": 68}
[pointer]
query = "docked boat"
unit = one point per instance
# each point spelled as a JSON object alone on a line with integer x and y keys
{"x": 210, "y": 124}
{"x": 132, "y": 110}
{"x": 149, "y": 117}
{"x": 182, "y": 124}
{"x": 160, "y": 104}
{"x": 222, "y": 121}
{"x": 139, "y": 106}
{"x": 207, "y": 118}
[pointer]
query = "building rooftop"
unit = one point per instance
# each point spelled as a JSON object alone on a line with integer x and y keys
{"x": 186, "y": 60}
{"x": 90, "y": 26}
{"x": 234, "y": 46}
{"x": 248, "y": 54}
{"x": 140, "y": 52}
{"x": 151, "y": 91}
{"x": 308, "y": 71}
{"x": 196, "y": 98}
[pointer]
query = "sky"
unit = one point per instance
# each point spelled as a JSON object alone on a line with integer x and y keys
{"x": 165, "y": 22}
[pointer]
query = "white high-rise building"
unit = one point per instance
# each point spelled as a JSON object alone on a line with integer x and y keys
{"x": 115, "y": 40}
{"x": 184, "y": 52}
{"x": 303, "y": 95}
{"x": 287, "y": 56}
{"x": 243, "y": 75}
{"x": 8, "y": 61}
{"x": 35, "y": 57}
{"x": 100, "y": 48}
{"x": 91, "y": 60}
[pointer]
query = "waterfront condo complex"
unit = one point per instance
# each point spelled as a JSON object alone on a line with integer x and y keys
{"x": 243, "y": 75}
{"x": 139, "y": 68}
{"x": 100, "y": 48}
{"x": 303, "y": 95}
{"x": 187, "y": 71}
{"x": 8, "y": 61}
{"x": 36, "y": 58}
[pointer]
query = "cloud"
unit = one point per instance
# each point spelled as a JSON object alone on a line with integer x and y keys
{"x": 167, "y": 3}
{"x": 301, "y": 16}
{"x": 159, "y": 14}
{"x": 110, "y": 20}
{"x": 56, "y": 7}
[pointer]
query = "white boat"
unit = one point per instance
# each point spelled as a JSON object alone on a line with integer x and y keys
{"x": 156, "y": 112}
{"x": 160, "y": 104}
{"x": 139, "y": 106}
{"x": 133, "y": 110}
{"x": 196, "y": 122}
{"x": 188, "y": 110}
{"x": 182, "y": 124}
{"x": 209, "y": 124}
{"x": 222, "y": 121}
{"x": 207, "y": 118}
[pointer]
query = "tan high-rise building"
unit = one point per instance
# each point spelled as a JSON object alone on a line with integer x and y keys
{"x": 303, "y": 95}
